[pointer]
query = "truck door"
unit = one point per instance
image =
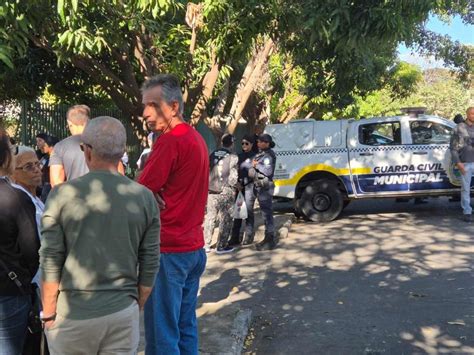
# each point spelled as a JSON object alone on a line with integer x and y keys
{"x": 430, "y": 155}
{"x": 378, "y": 158}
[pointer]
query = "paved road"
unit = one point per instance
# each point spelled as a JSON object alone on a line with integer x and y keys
{"x": 385, "y": 278}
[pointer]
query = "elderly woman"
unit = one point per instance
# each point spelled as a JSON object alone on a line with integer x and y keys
{"x": 27, "y": 177}
{"x": 19, "y": 244}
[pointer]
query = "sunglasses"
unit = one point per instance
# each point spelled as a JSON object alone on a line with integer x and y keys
{"x": 245, "y": 143}
{"x": 82, "y": 145}
{"x": 30, "y": 167}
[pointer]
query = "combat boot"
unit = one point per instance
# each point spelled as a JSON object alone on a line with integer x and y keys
{"x": 268, "y": 243}
{"x": 234, "y": 241}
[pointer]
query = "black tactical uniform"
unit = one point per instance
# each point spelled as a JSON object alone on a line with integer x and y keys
{"x": 262, "y": 175}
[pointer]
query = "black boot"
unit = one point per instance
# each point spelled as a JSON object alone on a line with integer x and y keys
{"x": 248, "y": 239}
{"x": 268, "y": 243}
{"x": 234, "y": 241}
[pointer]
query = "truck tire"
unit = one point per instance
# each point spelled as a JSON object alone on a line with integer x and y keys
{"x": 297, "y": 209}
{"x": 322, "y": 201}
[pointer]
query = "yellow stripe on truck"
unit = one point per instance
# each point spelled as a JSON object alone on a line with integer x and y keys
{"x": 320, "y": 167}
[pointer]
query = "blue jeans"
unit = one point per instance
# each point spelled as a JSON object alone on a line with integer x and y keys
{"x": 466, "y": 188}
{"x": 14, "y": 312}
{"x": 170, "y": 312}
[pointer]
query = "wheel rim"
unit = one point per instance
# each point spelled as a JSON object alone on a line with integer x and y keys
{"x": 321, "y": 202}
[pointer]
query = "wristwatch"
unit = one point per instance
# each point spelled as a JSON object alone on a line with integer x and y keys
{"x": 48, "y": 318}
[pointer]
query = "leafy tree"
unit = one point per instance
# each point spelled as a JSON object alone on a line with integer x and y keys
{"x": 221, "y": 49}
{"x": 438, "y": 90}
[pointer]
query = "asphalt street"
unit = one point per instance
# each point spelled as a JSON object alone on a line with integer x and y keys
{"x": 384, "y": 278}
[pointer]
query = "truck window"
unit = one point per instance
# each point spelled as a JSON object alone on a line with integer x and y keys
{"x": 383, "y": 133}
{"x": 428, "y": 132}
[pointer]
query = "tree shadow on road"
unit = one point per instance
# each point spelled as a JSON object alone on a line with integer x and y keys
{"x": 397, "y": 279}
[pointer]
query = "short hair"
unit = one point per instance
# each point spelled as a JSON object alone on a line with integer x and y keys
{"x": 78, "y": 114}
{"x": 24, "y": 149}
{"x": 227, "y": 140}
{"x": 458, "y": 118}
{"x": 107, "y": 137}
{"x": 469, "y": 109}
{"x": 6, "y": 156}
{"x": 170, "y": 88}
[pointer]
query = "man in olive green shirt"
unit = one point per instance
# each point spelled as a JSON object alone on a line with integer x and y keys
{"x": 100, "y": 251}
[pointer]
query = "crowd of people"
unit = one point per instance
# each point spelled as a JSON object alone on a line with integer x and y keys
{"x": 83, "y": 248}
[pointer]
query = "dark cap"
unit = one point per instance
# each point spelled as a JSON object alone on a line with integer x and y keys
{"x": 227, "y": 140}
{"x": 266, "y": 138}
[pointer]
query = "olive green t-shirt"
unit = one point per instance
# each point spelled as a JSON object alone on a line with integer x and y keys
{"x": 100, "y": 239}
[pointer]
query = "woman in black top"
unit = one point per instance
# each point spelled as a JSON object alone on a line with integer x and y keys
{"x": 246, "y": 186}
{"x": 19, "y": 244}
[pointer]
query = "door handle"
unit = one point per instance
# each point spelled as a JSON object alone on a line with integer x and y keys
{"x": 366, "y": 154}
{"x": 420, "y": 153}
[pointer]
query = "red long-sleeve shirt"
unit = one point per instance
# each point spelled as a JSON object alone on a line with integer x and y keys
{"x": 178, "y": 169}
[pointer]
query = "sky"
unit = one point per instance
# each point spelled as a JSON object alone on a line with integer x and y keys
{"x": 457, "y": 30}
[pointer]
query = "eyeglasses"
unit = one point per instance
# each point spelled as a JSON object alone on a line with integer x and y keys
{"x": 85, "y": 144}
{"x": 30, "y": 167}
{"x": 245, "y": 143}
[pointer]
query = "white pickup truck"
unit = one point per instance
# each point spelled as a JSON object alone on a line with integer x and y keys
{"x": 323, "y": 165}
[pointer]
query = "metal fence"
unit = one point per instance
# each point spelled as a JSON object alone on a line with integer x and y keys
{"x": 37, "y": 117}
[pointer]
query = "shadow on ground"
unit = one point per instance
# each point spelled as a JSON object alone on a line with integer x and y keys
{"x": 385, "y": 278}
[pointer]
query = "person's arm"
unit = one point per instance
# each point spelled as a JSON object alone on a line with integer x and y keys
{"x": 52, "y": 254}
{"x": 456, "y": 145}
{"x": 149, "y": 254}
{"x": 56, "y": 175}
{"x": 159, "y": 165}
{"x": 49, "y": 298}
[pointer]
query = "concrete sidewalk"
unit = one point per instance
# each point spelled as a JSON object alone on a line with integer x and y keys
{"x": 230, "y": 280}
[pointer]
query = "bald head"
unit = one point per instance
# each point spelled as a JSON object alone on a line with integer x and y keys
{"x": 107, "y": 137}
{"x": 470, "y": 116}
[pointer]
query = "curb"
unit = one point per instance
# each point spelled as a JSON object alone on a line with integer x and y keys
{"x": 240, "y": 330}
{"x": 285, "y": 228}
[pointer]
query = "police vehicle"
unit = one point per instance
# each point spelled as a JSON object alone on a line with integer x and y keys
{"x": 323, "y": 165}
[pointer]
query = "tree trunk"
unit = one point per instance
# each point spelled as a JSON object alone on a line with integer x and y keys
{"x": 242, "y": 96}
{"x": 208, "y": 83}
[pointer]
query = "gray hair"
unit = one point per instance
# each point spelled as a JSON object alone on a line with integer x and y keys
{"x": 107, "y": 137}
{"x": 170, "y": 89}
{"x": 78, "y": 114}
{"x": 23, "y": 150}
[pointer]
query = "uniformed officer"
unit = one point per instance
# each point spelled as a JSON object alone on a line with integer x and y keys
{"x": 246, "y": 186}
{"x": 222, "y": 184}
{"x": 262, "y": 174}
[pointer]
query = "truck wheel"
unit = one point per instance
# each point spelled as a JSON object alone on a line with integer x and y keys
{"x": 297, "y": 209}
{"x": 322, "y": 201}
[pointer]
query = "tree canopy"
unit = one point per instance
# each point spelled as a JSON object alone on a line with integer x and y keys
{"x": 286, "y": 58}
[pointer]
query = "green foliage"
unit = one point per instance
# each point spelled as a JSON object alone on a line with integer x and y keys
{"x": 439, "y": 91}
{"x": 329, "y": 55}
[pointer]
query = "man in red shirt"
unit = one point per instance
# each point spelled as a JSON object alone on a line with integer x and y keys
{"x": 177, "y": 172}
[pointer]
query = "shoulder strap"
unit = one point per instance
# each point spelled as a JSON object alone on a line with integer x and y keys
{"x": 12, "y": 276}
